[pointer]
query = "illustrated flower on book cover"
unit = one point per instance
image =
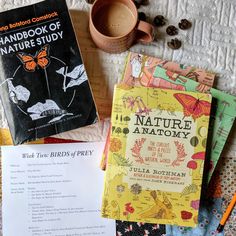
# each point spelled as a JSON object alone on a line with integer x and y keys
{"x": 156, "y": 162}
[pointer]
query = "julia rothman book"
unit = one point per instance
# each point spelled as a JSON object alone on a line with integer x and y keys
{"x": 154, "y": 171}
{"x": 44, "y": 87}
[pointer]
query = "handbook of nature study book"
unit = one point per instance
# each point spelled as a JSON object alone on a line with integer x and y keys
{"x": 44, "y": 87}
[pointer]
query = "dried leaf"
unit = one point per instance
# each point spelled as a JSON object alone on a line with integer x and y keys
{"x": 18, "y": 93}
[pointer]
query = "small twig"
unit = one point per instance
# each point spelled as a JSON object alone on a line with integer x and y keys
{"x": 4, "y": 82}
{"x": 46, "y": 76}
{"x": 22, "y": 110}
{"x": 64, "y": 82}
{"x": 58, "y": 60}
{"x": 16, "y": 70}
{"x": 72, "y": 99}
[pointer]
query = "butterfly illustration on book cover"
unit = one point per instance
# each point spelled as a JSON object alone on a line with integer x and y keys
{"x": 192, "y": 106}
{"x": 41, "y": 60}
{"x": 20, "y": 94}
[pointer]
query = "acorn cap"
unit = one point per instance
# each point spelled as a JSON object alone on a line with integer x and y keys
{"x": 185, "y": 24}
{"x": 174, "y": 44}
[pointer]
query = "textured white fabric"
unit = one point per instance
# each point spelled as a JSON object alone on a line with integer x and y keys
{"x": 210, "y": 44}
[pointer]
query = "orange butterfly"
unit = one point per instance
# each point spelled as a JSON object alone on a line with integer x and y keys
{"x": 192, "y": 106}
{"x": 40, "y": 59}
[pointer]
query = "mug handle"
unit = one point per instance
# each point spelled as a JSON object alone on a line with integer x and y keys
{"x": 145, "y": 32}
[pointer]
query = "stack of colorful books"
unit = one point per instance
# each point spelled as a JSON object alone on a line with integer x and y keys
{"x": 168, "y": 128}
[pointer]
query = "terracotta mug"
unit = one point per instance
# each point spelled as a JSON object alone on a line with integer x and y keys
{"x": 114, "y": 25}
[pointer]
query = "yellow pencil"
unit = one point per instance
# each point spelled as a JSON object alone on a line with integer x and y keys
{"x": 226, "y": 214}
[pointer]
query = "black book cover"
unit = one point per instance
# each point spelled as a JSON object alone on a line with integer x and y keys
{"x": 43, "y": 83}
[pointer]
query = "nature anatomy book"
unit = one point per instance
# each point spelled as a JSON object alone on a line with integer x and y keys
{"x": 44, "y": 87}
{"x": 139, "y": 70}
{"x": 154, "y": 170}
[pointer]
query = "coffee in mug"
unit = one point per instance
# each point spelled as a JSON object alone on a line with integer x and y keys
{"x": 114, "y": 25}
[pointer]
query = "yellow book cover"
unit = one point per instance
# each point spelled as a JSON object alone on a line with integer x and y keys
{"x": 5, "y": 138}
{"x": 156, "y": 155}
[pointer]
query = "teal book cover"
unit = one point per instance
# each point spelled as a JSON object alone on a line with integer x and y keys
{"x": 222, "y": 116}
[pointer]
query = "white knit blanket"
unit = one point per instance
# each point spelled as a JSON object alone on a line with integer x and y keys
{"x": 210, "y": 44}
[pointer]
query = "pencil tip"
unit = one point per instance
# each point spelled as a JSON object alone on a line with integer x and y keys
{"x": 220, "y": 228}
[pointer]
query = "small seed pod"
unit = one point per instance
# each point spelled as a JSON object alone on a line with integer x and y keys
{"x": 172, "y": 30}
{"x": 145, "y": 2}
{"x": 185, "y": 24}
{"x": 159, "y": 21}
{"x": 174, "y": 44}
{"x": 142, "y": 16}
{"x": 138, "y": 3}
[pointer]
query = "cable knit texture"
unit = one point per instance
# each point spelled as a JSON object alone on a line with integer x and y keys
{"x": 210, "y": 44}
